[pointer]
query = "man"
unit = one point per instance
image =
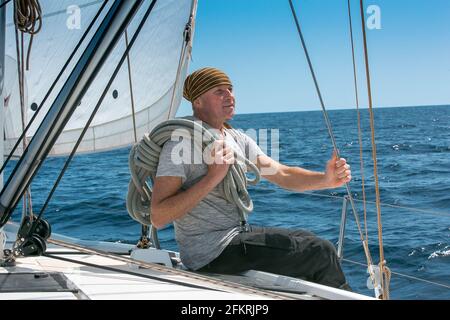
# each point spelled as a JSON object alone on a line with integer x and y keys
{"x": 207, "y": 226}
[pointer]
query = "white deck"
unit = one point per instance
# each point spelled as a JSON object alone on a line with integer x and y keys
{"x": 97, "y": 277}
{"x": 96, "y": 283}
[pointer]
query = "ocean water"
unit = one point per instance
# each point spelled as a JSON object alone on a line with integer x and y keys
{"x": 413, "y": 146}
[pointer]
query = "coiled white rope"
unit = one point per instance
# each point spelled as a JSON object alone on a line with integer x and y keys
{"x": 144, "y": 158}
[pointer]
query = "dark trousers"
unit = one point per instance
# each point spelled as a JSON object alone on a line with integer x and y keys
{"x": 294, "y": 253}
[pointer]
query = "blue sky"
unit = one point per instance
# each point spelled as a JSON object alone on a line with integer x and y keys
{"x": 256, "y": 43}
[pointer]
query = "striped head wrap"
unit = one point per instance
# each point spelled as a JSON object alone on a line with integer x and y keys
{"x": 202, "y": 80}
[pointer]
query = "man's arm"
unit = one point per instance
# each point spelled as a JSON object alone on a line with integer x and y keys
{"x": 169, "y": 203}
{"x": 298, "y": 179}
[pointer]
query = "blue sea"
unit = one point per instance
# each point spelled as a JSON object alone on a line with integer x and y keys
{"x": 413, "y": 153}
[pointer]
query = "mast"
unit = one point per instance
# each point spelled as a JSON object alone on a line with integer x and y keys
{"x": 85, "y": 71}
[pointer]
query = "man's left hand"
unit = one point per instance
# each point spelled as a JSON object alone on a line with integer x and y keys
{"x": 337, "y": 172}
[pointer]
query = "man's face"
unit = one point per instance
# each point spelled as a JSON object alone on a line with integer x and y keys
{"x": 216, "y": 104}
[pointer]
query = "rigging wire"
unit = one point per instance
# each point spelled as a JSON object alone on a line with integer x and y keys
{"x": 426, "y": 211}
{"x": 26, "y": 14}
{"x": 52, "y": 87}
{"x": 144, "y": 240}
{"x": 382, "y": 264}
{"x": 177, "y": 79}
{"x": 330, "y": 132}
{"x": 186, "y": 48}
{"x": 131, "y": 88}
{"x": 355, "y": 83}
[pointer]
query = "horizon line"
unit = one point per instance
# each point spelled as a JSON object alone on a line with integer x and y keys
{"x": 348, "y": 108}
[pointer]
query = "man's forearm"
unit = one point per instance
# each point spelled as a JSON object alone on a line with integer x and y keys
{"x": 178, "y": 205}
{"x": 299, "y": 179}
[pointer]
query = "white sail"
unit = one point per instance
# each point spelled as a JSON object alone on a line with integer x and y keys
{"x": 154, "y": 58}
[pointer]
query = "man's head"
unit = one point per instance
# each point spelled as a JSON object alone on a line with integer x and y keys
{"x": 211, "y": 93}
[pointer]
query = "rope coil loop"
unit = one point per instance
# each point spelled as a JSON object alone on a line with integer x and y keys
{"x": 28, "y": 19}
{"x": 144, "y": 158}
{"x": 28, "y": 14}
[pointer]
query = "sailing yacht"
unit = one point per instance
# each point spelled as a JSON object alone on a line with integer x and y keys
{"x": 56, "y": 110}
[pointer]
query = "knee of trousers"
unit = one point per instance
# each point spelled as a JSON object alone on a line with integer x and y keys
{"x": 327, "y": 249}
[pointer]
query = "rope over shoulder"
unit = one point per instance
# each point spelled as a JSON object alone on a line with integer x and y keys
{"x": 143, "y": 162}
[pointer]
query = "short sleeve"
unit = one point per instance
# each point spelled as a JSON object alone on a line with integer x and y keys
{"x": 249, "y": 146}
{"x": 170, "y": 161}
{"x": 252, "y": 150}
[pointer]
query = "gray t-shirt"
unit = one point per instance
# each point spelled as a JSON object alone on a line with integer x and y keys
{"x": 204, "y": 232}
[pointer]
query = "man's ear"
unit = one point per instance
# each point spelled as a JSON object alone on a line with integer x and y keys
{"x": 196, "y": 103}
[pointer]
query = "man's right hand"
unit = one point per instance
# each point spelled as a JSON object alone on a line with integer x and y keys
{"x": 222, "y": 156}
